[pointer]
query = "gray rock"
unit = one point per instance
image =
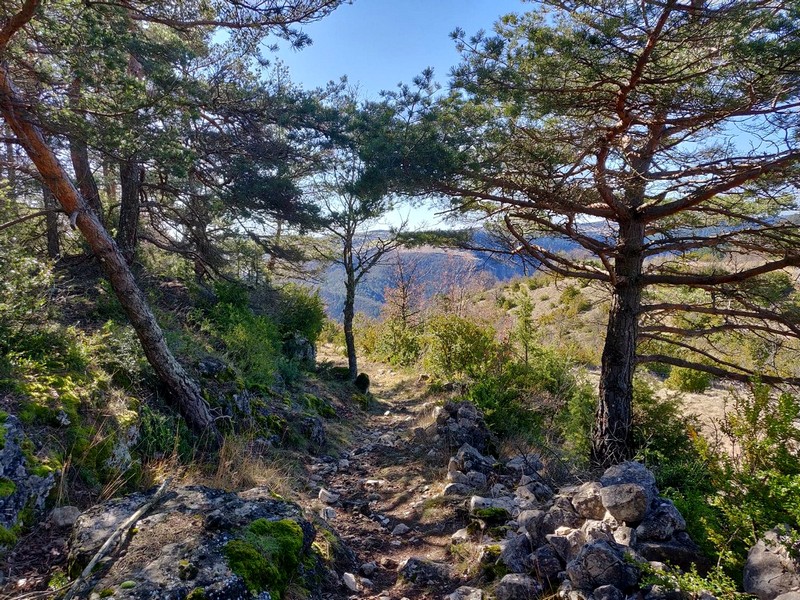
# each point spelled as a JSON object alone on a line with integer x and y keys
{"x": 401, "y": 529}
{"x": 597, "y": 530}
{"x": 601, "y": 563}
{"x": 631, "y": 472}
{"x": 770, "y": 571}
{"x": 627, "y": 502}
{"x": 466, "y": 593}
{"x": 299, "y": 349}
{"x": 531, "y": 522}
{"x": 328, "y": 513}
{"x": 456, "y": 489}
{"x": 424, "y": 571}
{"x": 625, "y": 536}
{"x": 661, "y": 523}
{"x": 789, "y": 596}
{"x": 350, "y": 581}
{"x": 476, "y": 480}
{"x": 470, "y": 459}
{"x": 680, "y": 551}
{"x": 313, "y": 429}
{"x": 515, "y": 586}
{"x": 587, "y": 501}
{"x": 515, "y": 553}
{"x": 210, "y": 366}
{"x": 608, "y": 592}
{"x": 461, "y": 536}
{"x": 506, "y": 503}
{"x": 534, "y": 492}
{"x": 457, "y": 477}
{"x": 525, "y": 464}
{"x": 64, "y": 516}
{"x": 560, "y": 515}
{"x": 546, "y": 565}
{"x": 29, "y": 489}
{"x": 567, "y": 542}
{"x": 368, "y": 569}
{"x": 181, "y": 539}
{"x": 327, "y": 497}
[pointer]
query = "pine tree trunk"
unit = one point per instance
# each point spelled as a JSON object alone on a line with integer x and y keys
{"x": 51, "y": 223}
{"x": 349, "y": 337}
{"x": 131, "y": 174}
{"x": 183, "y": 391}
{"x": 611, "y": 438}
{"x": 79, "y": 154}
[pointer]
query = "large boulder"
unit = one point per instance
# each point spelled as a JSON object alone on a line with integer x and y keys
{"x": 196, "y": 538}
{"x": 770, "y": 570}
{"x": 627, "y": 502}
{"x": 515, "y": 586}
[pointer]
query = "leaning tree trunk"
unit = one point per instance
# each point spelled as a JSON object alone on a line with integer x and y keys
{"x": 611, "y": 438}
{"x": 182, "y": 389}
{"x": 79, "y": 154}
{"x": 131, "y": 174}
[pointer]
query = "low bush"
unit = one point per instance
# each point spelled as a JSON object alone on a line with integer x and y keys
{"x": 684, "y": 379}
{"x": 457, "y": 347}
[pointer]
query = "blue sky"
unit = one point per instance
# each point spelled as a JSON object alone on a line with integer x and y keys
{"x": 379, "y": 43}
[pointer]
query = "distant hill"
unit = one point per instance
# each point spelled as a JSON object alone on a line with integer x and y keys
{"x": 437, "y": 267}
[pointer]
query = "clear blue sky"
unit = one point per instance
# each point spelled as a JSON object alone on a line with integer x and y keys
{"x": 379, "y": 43}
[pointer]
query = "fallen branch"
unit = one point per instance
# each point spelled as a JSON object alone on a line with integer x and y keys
{"x": 77, "y": 586}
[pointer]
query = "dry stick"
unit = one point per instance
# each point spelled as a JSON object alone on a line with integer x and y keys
{"x": 80, "y": 581}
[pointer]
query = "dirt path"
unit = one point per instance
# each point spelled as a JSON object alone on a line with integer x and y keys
{"x": 388, "y": 485}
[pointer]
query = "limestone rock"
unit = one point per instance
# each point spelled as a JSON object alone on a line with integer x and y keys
{"x": 327, "y": 496}
{"x": 424, "y": 571}
{"x": 27, "y": 488}
{"x": 627, "y": 502}
{"x": 515, "y": 586}
{"x": 466, "y": 593}
{"x": 174, "y": 551}
{"x": 680, "y": 551}
{"x": 64, "y": 516}
{"x": 631, "y": 472}
{"x": 515, "y": 553}
{"x": 587, "y": 501}
{"x": 769, "y": 571}
{"x": 546, "y": 565}
{"x": 661, "y": 523}
{"x": 608, "y": 592}
{"x": 601, "y": 563}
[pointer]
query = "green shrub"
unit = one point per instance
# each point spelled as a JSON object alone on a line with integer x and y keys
{"x": 456, "y": 347}
{"x": 685, "y": 379}
{"x": 300, "y": 311}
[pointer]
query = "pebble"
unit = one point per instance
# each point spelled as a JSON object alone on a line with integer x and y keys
{"x": 327, "y": 497}
{"x": 401, "y": 529}
{"x": 350, "y": 581}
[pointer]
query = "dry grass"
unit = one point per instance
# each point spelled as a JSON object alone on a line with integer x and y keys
{"x": 239, "y": 467}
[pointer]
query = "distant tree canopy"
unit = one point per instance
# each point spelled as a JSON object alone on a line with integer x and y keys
{"x": 661, "y": 137}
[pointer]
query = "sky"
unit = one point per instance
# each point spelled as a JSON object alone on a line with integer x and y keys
{"x": 380, "y": 43}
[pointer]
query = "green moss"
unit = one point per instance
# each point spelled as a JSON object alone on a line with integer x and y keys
{"x": 106, "y": 593}
{"x": 493, "y": 515}
{"x": 7, "y": 537}
{"x": 319, "y": 405}
{"x": 491, "y": 568}
{"x": 267, "y": 556}
{"x": 197, "y": 594}
{"x": 127, "y": 585}
{"x": 7, "y": 487}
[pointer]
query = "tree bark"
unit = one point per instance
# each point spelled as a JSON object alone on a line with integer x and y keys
{"x": 51, "y": 223}
{"x": 348, "y": 314}
{"x": 183, "y": 391}
{"x": 611, "y": 438}
{"x": 131, "y": 174}
{"x": 79, "y": 154}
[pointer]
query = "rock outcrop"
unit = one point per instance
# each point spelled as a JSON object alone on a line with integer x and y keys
{"x": 22, "y": 484}
{"x": 198, "y": 543}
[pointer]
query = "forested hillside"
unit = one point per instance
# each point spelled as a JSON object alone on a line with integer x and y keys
{"x": 227, "y": 370}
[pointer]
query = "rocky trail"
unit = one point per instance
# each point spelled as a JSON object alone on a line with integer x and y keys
{"x": 383, "y": 498}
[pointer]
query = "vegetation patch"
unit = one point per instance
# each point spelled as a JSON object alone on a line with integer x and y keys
{"x": 7, "y": 487}
{"x": 267, "y": 555}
